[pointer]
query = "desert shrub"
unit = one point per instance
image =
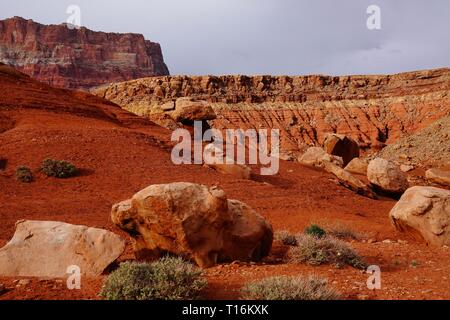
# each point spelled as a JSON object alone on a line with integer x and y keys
{"x": 169, "y": 278}
{"x": 326, "y": 250}
{"x": 289, "y": 288}
{"x": 58, "y": 168}
{"x": 342, "y": 232}
{"x": 286, "y": 238}
{"x": 315, "y": 231}
{"x": 24, "y": 174}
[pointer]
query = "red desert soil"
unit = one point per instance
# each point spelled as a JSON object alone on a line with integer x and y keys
{"x": 120, "y": 154}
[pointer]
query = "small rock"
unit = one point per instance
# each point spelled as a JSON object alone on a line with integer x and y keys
{"x": 2, "y": 289}
{"x": 406, "y": 168}
{"x": 371, "y": 241}
{"x": 387, "y": 241}
{"x": 23, "y": 282}
{"x": 362, "y": 297}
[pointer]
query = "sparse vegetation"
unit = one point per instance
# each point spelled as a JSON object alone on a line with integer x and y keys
{"x": 290, "y": 288}
{"x": 324, "y": 250}
{"x": 170, "y": 278}
{"x": 342, "y": 231}
{"x": 58, "y": 168}
{"x": 315, "y": 231}
{"x": 286, "y": 238}
{"x": 24, "y": 174}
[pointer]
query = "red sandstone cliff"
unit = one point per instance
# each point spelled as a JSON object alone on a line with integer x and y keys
{"x": 77, "y": 58}
{"x": 374, "y": 110}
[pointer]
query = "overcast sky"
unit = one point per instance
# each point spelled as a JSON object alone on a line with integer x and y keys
{"x": 292, "y": 37}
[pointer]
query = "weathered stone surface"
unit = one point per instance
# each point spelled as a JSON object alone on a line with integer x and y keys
{"x": 348, "y": 180}
{"x": 358, "y": 166}
{"x": 77, "y": 58}
{"x": 48, "y": 248}
{"x": 406, "y": 167}
{"x": 240, "y": 171}
{"x": 438, "y": 176}
{"x": 386, "y": 176}
{"x": 424, "y": 212}
{"x": 193, "y": 221}
{"x": 315, "y": 156}
{"x": 187, "y": 109}
{"x": 342, "y": 146}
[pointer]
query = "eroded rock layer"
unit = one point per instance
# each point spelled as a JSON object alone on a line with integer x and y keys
{"x": 373, "y": 110}
{"x": 77, "y": 58}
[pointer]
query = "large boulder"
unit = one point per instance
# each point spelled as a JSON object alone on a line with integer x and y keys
{"x": 357, "y": 166}
{"x": 48, "y": 248}
{"x": 424, "y": 212}
{"x": 349, "y": 181}
{"x": 342, "y": 146}
{"x": 315, "y": 156}
{"x": 189, "y": 109}
{"x": 193, "y": 221}
{"x": 386, "y": 176}
{"x": 215, "y": 159}
{"x": 438, "y": 176}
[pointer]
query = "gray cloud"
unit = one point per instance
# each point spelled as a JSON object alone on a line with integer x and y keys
{"x": 269, "y": 36}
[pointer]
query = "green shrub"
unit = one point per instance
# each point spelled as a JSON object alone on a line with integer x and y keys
{"x": 315, "y": 231}
{"x": 289, "y": 288}
{"x": 326, "y": 250}
{"x": 169, "y": 278}
{"x": 286, "y": 238}
{"x": 58, "y": 168}
{"x": 24, "y": 174}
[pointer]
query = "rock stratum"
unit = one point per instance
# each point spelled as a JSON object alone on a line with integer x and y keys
{"x": 77, "y": 58}
{"x": 373, "y": 110}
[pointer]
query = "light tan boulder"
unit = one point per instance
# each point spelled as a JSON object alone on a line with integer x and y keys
{"x": 240, "y": 171}
{"x": 425, "y": 213}
{"x": 189, "y": 109}
{"x": 438, "y": 176}
{"x": 386, "y": 176}
{"x": 192, "y": 221}
{"x": 341, "y": 146}
{"x": 48, "y": 248}
{"x": 357, "y": 166}
{"x": 315, "y": 156}
{"x": 168, "y": 106}
{"x": 406, "y": 167}
{"x": 164, "y": 120}
{"x": 349, "y": 181}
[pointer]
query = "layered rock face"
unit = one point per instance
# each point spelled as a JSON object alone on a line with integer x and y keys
{"x": 77, "y": 58}
{"x": 372, "y": 110}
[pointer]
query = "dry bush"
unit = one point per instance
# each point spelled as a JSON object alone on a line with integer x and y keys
{"x": 286, "y": 238}
{"x": 58, "y": 168}
{"x": 326, "y": 250}
{"x": 170, "y": 278}
{"x": 24, "y": 174}
{"x": 289, "y": 288}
